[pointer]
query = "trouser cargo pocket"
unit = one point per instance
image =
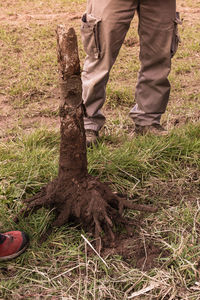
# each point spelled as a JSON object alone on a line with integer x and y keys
{"x": 176, "y": 38}
{"x": 90, "y": 35}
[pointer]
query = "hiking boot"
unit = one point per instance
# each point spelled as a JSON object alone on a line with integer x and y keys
{"x": 155, "y": 129}
{"x": 91, "y": 137}
{"x": 12, "y": 244}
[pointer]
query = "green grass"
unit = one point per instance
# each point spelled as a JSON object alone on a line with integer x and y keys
{"x": 30, "y": 161}
{"x": 162, "y": 171}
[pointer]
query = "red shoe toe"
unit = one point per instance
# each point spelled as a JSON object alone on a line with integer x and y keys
{"x": 14, "y": 244}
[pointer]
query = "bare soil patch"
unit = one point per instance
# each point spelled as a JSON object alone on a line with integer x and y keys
{"x": 135, "y": 251}
{"x": 37, "y": 18}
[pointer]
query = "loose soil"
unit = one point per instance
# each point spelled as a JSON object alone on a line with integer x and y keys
{"x": 135, "y": 252}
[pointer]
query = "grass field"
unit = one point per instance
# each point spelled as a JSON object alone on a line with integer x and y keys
{"x": 163, "y": 257}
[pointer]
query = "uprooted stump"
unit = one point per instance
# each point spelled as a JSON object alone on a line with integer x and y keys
{"x": 75, "y": 194}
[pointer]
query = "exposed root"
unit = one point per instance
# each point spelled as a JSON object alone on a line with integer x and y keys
{"x": 92, "y": 204}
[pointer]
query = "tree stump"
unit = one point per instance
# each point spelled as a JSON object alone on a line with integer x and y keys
{"x": 75, "y": 194}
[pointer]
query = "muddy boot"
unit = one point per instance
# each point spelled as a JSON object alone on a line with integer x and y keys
{"x": 91, "y": 137}
{"x": 155, "y": 129}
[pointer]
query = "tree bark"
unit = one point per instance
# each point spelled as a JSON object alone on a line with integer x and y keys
{"x": 74, "y": 193}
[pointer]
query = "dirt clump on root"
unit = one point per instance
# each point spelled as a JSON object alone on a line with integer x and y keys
{"x": 87, "y": 202}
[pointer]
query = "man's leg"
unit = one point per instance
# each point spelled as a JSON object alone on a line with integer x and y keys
{"x": 104, "y": 28}
{"x": 156, "y": 29}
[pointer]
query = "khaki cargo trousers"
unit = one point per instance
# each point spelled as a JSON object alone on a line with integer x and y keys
{"x": 104, "y": 27}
